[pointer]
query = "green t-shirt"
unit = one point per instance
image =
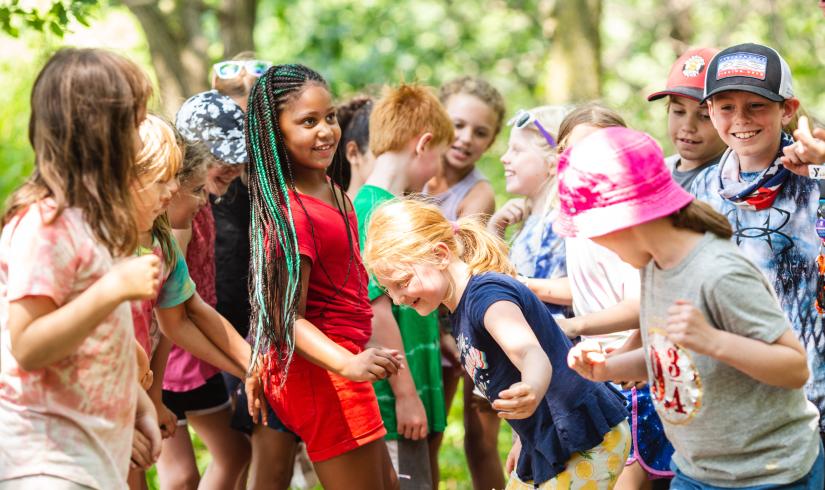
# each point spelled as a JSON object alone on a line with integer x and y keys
{"x": 419, "y": 334}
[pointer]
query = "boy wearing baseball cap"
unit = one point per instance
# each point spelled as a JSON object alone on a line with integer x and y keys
{"x": 697, "y": 143}
{"x": 773, "y": 211}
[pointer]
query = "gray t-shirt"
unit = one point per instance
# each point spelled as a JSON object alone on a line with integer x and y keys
{"x": 685, "y": 178}
{"x": 728, "y": 429}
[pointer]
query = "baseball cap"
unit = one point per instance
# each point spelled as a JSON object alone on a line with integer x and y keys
{"x": 751, "y": 68}
{"x": 216, "y": 120}
{"x": 613, "y": 179}
{"x": 687, "y": 75}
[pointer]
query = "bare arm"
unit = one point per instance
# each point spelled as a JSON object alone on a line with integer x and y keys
{"x": 508, "y": 327}
{"x": 618, "y": 318}
{"x": 175, "y": 324}
{"x": 410, "y": 413}
{"x": 370, "y": 365}
{"x": 218, "y": 330}
{"x": 481, "y": 200}
{"x": 42, "y": 333}
{"x": 555, "y": 291}
{"x": 782, "y": 363}
{"x": 590, "y": 361}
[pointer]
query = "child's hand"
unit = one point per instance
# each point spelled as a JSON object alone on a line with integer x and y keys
{"x": 373, "y": 364}
{"x": 809, "y": 149}
{"x": 146, "y": 442}
{"x": 569, "y": 326}
{"x": 255, "y": 398}
{"x": 687, "y": 327}
{"x": 519, "y": 401}
{"x": 146, "y": 379}
{"x": 511, "y": 213}
{"x": 136, "y": 278}
{"x": 512, "y": 456}
{"x": 167, "y": 421}
{"x": 411, "y": 417}
{"x": 588, "y": 359}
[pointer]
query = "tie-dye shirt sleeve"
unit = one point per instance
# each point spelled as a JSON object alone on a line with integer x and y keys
{"x": 178, "y": 287}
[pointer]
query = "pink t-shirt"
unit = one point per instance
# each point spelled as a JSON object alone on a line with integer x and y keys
{"x": 75, "y": 418}
{"x": 184, "y": 371}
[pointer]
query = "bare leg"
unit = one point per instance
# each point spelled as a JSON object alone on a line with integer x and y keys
{"x": 481, "y": 426}
{"x": 137, "y": 479}
{"x": 365, "y": 468}
{"x": 229, "y": 448}
{"x": 273, "y": 459}
{"x": 176, "y": 467}
{"x": 633, "y": 477}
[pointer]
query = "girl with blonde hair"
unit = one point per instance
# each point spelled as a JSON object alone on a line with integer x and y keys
{"x": 569, "y": 431}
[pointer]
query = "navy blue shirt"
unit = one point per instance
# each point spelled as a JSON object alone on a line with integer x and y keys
{"x": 576, "y": 413}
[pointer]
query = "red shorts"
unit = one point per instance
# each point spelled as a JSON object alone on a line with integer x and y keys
{"x": 332, "y": 414}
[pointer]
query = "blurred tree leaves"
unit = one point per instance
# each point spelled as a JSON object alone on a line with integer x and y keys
{"x": 39, "y": 16}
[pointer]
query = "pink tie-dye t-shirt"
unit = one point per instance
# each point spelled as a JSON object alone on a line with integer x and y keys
{"x": 75, "y": 418}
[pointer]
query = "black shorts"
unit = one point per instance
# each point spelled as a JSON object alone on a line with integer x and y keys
{"x": 242, "y": 421}
{"x": 209, "y": 398}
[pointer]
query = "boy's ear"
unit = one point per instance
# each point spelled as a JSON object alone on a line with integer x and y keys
{"x": 421, "y": 144}
{"x": 789, "y": 108}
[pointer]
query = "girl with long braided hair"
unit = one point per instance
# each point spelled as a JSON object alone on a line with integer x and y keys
{"x": 308, "y": 287}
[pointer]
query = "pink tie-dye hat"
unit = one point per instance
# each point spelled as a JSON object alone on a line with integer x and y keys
{"x": 614, "y": 179}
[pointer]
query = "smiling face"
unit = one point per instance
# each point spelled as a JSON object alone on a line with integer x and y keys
{"x": 692, "y": 132}
{"x": 189, "y": 200}
{"x": 151, "y": 198}
{"x": 310, "y": 129}
{"x": 475, "y": 123}
{"x": 750, "y": 125}
{"x": 221, "y": 175}
{"x": 526, "y": 166}
{"x": 420, "y": 286}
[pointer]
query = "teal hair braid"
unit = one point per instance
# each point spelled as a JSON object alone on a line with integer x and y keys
{"x": 275, "y": 266}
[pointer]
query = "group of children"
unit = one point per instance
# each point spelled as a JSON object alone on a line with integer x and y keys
{"x": 279, "y": 272}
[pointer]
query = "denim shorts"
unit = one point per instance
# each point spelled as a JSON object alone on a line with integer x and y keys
{"x": 814, "y": 480}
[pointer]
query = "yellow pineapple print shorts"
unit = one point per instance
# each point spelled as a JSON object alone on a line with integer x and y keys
{"x": 596, "y": 469}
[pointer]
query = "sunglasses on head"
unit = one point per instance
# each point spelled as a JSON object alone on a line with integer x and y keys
{"x": 231, "y": 69}
{"x": 523, "y": 118}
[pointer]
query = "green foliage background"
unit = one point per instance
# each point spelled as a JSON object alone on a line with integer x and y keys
{"x": 361, "y": 44}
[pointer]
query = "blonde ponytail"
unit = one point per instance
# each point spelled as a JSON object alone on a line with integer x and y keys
{"x": 481, "y": 250}
{"x": 406, "y": 231}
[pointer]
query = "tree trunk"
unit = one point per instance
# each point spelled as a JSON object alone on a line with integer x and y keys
{"x": 178, "y": 45}
{"x": 237, "y": 20}
{"x": 574, "y": 64}
{"x": 680, "y": 15}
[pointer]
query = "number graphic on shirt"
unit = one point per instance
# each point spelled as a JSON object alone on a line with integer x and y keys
{"x": 657, "y": 388}
{"x": 673, "y": 366}
{"x": 675, "y": 382}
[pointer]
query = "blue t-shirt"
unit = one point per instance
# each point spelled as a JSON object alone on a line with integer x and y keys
{"x": 537, "y": 251}
{"x": 575, "y": 414}
{"x": 783, "y": 243}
